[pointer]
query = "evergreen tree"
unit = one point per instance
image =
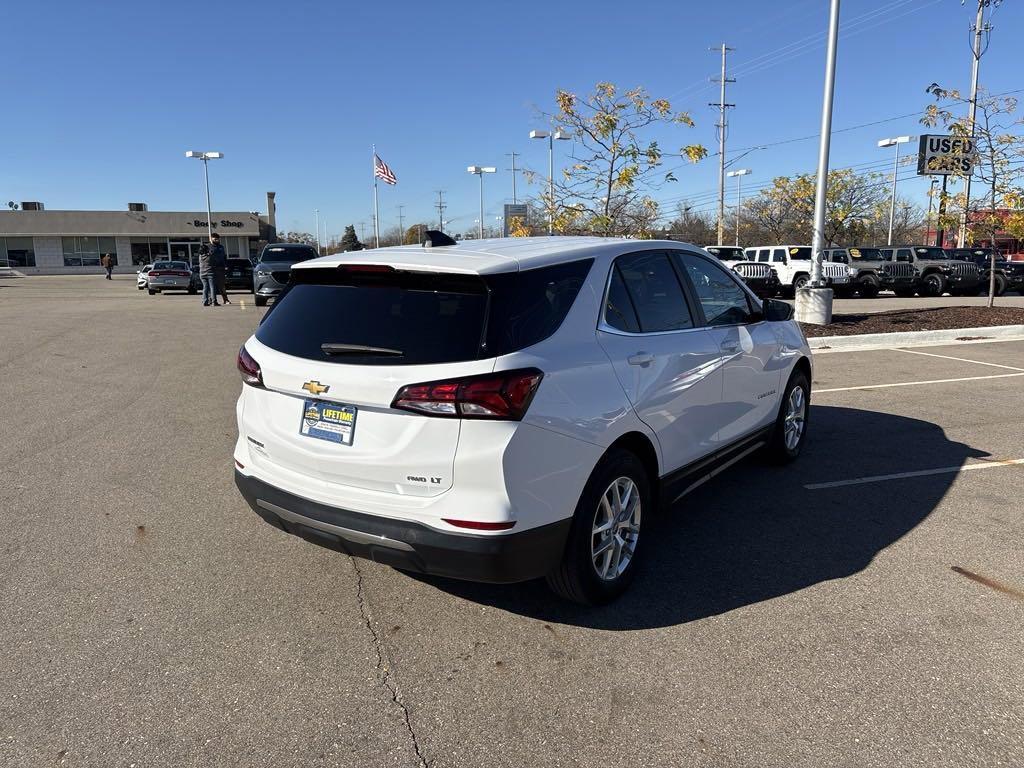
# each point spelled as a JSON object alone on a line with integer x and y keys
{"x": 349, "y": 241}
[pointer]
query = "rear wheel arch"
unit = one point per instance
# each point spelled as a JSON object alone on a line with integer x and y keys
{"x": 640, "y": 446}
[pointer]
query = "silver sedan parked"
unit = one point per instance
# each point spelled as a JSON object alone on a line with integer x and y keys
{"x": 170, "y": 276}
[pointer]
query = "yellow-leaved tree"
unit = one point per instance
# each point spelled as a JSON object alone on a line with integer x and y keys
{"x": 614, "y": 163}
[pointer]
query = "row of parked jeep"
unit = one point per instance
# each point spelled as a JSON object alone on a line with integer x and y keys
{"x": 905, "y": 270}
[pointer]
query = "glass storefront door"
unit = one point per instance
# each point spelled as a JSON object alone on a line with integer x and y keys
{"x": 185, "y": 250}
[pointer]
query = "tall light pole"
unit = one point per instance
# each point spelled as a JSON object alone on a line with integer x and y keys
{"x": 814, "y": 304}
{"x": 316, "y": 213}
{"x": 551, "y": 136}
{"x": 894, "y": 142}
{"x": 976, "y": 51}
{"x": 206, "y": 157}
{"x": 480, "y": 170}
{"x": 739, "y": 174}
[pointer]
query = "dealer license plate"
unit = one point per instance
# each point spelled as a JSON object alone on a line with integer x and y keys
{"x": 328, "y": 421}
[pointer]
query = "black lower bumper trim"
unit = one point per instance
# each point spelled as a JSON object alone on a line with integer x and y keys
{"x": 505, "y": 558}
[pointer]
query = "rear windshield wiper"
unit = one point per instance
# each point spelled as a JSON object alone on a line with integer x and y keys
{"x": 335, "y": 348}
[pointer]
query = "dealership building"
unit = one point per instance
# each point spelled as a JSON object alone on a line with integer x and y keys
{"x": 34, "y": 240}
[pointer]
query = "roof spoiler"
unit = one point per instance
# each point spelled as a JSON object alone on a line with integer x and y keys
{"x": 436, "y": 238}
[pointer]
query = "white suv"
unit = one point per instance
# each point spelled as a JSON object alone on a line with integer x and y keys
{"x": 508, "y": 409}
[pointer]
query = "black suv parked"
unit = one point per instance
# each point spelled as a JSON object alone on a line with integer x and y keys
{"x": 870, "y": 273}
{"x": 271, "y": 274}
{"x": 1009, "y": 274}
{"x": 939, "y": 272}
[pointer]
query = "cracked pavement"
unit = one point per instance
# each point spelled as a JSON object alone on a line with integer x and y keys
{"x": 149, "y": 618}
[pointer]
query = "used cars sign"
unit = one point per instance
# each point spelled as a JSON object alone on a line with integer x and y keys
{"x": 946, "y": 156}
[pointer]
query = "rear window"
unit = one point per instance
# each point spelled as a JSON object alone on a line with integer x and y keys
{"x": 170, "y": 265}
{"x": 725, "y": 253}
{"x": 290, "y": 255}
{"x": 418, "y": 318}
{"x": 239, "y": 264}
{"x": 799, "y": 253}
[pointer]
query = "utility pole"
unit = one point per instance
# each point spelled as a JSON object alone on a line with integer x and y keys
{"x": 316, "y": 212}
{"x": 722, "y": 125}
{"x": 440, "y": 209}
{"x": 513, "y": 155}
{"x": 980, "y": 28}
{"x": 401, "y": 228}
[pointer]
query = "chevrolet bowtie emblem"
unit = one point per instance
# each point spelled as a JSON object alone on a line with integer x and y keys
{"x": 315, "y": 387}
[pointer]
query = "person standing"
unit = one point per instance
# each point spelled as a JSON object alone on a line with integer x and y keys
{"x": 206, "y": 276}
{"x": 219, "y": 259}
{"x": 108, "y": 264}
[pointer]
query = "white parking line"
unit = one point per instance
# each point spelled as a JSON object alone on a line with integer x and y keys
{"x": 915, "y": 383}
{"x": 959, "y": 359}
{"x": 918, "y": 473}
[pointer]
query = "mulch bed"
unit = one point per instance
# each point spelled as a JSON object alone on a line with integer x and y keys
{"x": 930, "y": 319}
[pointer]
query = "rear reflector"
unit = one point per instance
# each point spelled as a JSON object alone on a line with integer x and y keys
{"x": 503, "y": 395}
{"x": 479, "y": 526}
{"x": 239, "y": 464}
{"x": 249, "y": 368}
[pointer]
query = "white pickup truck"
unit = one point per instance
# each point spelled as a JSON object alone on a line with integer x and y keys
{"x": 792, "y": 263}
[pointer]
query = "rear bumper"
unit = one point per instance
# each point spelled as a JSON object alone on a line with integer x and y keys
{"x": 503, "y": 558}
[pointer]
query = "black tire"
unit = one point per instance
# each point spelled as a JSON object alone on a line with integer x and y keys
{"x": 192, "y": 291}
{"x": 576, "y": 577}
{"x": 800, "y": 281}
{"x": 869, "y": 286}
{"x": 777, "y": 451}
{"x": 261, "y": 301}
{"x": 933, "y": 284}
{"x": 152, "y": 292}
{"x": 1001, "y": 284}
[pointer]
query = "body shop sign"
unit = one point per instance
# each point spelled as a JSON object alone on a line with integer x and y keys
{"x": 946, "y": 156}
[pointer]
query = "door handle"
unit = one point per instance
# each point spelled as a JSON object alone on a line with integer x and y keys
{"x": 730, "y": 346}
{"x": 640, "y": 358}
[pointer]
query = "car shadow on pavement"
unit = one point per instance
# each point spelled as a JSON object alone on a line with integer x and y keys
{"x": 756, "y": 532}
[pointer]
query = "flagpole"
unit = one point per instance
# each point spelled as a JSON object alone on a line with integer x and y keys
{"x": 376, "y": 218}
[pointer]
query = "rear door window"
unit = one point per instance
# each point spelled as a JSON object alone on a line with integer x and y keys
{"x": 618, "y": 309}
{"x": 394, "y": 317}
{"x": 654, "y": 288}
{"x": 779, "y": 255}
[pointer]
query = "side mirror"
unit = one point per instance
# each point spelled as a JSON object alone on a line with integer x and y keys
{"x": 776, "y": 311}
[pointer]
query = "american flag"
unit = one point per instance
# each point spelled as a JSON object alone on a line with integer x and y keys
{"x": 383, "y": 172}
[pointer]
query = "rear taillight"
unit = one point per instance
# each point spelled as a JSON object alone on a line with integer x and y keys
{"x": 154, "y": 273}
{"x": 249, "y": 368}
{"x": 504, "y": 395}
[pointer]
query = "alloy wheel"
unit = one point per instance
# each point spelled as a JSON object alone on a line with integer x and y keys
{"x": 616, "y": 529}
{"x": 795, "y": 418}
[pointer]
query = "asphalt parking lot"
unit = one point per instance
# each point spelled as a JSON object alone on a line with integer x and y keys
{"x": 863, "y": 607}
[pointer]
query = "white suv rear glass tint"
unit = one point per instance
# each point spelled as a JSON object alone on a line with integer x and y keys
{"x": 424, "y": 317}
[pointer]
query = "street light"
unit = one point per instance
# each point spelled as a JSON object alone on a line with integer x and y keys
{"x": 480, "y": 170}
{"x": 894, "y": 142}
{"x": 551, "y": 136}
{"x": 205, "y": 157}
{"x": 739, "y": 174}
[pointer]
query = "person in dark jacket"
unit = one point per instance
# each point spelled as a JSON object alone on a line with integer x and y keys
{"x": 206, "y": 276}
{"x": 219, "y": 259}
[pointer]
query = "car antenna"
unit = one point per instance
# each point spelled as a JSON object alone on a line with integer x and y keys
{"x": 436, "y": 238}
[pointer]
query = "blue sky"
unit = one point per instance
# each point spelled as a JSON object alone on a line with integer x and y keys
{"x": 102, "y": 99}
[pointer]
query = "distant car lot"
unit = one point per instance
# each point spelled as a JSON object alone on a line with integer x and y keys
{"x": 858, "y": 608}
